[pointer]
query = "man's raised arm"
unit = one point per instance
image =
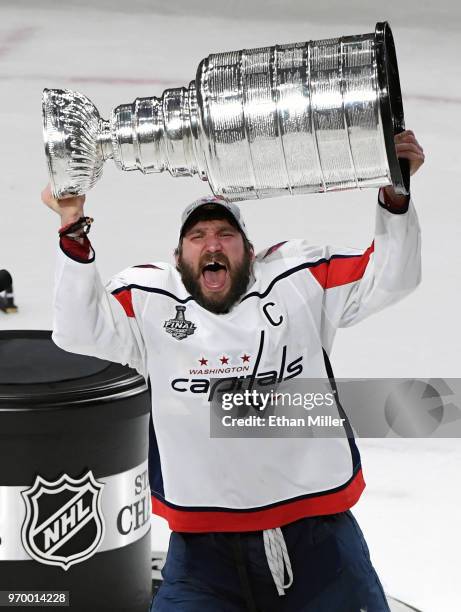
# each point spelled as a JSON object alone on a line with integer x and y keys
{"x": 359, "y": 283}
{"x": 87, "y": 318}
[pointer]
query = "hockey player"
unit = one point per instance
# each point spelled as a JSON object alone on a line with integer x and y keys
{"x": 7, "y": 304}
{"x": 257, "y": 524}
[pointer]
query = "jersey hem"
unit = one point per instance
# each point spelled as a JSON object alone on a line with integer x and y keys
{"x": 198, "y": 521}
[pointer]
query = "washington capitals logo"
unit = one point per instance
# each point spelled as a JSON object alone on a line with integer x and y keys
{"x": 64, "y": 523}
{"x": 179, "y": 327}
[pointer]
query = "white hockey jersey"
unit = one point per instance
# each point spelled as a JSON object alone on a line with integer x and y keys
{"x": 283, "y": 327}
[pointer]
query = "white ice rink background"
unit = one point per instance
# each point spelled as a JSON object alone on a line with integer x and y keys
{"x": 410, "y": 510}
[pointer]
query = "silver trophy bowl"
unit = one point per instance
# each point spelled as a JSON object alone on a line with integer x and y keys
{"x": 298, "y": 118}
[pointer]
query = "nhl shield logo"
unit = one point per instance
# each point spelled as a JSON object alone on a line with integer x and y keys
{"x": 64, "y": 524}
{"x": 179, "y": 327}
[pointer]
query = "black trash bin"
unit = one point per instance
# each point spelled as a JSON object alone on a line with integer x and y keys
{"x": 74, "y": 488}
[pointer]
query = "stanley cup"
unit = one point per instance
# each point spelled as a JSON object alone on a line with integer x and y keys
{"x": 298, "y": 118}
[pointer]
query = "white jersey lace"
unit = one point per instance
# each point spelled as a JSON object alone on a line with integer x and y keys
{"x": 277, "y": 557}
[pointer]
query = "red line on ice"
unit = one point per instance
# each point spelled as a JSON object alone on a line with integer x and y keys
{"x": 15, "y": 38}
{"x": 89, "y": 79}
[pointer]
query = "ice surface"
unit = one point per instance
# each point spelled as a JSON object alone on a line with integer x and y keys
{"x": 410, "y": 509}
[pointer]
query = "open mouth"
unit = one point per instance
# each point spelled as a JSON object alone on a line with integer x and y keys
{"x": 214, "y": 275}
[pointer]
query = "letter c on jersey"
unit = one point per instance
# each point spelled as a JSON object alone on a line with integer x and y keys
{"x": 179, "y": 380}
{"x": 269, "y": 318}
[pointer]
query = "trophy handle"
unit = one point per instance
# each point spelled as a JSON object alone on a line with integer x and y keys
{"x": 390, "y": 101}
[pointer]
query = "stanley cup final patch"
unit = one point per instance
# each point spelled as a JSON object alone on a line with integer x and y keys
{"x": 64, "y": 524}
{"x": 179, "y": 327}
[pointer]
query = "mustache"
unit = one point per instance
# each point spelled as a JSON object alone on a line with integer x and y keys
{"x": 219, "y": 258}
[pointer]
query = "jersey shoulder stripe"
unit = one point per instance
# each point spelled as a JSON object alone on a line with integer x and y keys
{"x": 273, "y": 248}
{"x": 129, "y": 288}
{"x": 151, "y": 266}
{"x": 123, "y": 296}
{"x": 341, "y": 269}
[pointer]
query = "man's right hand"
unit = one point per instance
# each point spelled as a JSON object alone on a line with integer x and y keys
{"x": 69, "y": 209}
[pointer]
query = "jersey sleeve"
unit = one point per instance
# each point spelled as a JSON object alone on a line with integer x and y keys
{"x": 93, "y": 319}
{"x": 357, "y": 283}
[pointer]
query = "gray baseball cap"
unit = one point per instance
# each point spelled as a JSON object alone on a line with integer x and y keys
{"x": 209, "y": 204}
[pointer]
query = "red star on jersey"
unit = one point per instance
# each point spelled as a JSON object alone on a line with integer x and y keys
{"x": 224, "y": 360}
{"x": 245, "y": 358}
{"x": 203, "y": 361}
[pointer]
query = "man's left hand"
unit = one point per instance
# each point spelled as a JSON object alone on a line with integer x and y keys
{"x": 406, "y": 147}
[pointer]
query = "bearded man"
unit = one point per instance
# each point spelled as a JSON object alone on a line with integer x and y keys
{"x": 257, "y": 524}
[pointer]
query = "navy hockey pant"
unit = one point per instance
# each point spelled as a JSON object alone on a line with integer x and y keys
{"x": 228, "y": 572}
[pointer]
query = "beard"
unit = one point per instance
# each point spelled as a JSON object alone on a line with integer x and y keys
{"x": 219, "y": 304}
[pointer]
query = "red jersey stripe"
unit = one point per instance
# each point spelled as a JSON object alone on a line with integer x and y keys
{"x": 124, "y": 297}
{"x": 75, "y": 249}
{"x": 148, "y": 266}
{"x": 342, "y": 270}
{"x": 197, "y": 521}
{"x": 273, "y": 248}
